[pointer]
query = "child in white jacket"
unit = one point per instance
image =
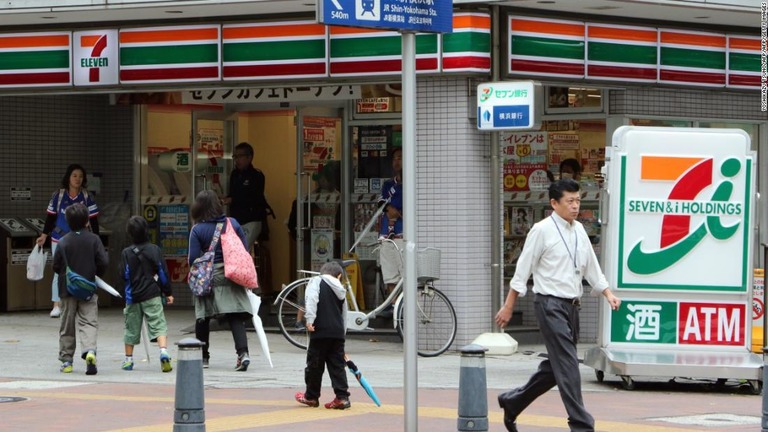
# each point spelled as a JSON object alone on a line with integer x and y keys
{"x": 326, "y": 315}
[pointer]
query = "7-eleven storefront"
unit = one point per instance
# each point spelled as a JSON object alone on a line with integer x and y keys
{"x": 154, "y": 112}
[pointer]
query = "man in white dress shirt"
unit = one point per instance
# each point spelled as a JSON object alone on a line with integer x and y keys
{"x": 558, "y": 253}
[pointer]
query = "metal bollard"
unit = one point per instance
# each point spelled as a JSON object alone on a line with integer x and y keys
{"x": 473, "y": 390}
{"x": 190, "y": 402}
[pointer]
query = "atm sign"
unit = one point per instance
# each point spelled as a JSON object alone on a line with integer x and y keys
{"x": 712, "y": 324}
{"x": 682, "y": 323}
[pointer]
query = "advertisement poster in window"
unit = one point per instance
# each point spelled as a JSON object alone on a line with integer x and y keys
{"x": 524, "y": 147}
{"x": 520, "y": 177}
{"x": 320, "y": 139}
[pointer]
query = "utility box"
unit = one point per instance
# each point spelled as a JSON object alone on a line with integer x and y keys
{"x": 16, "y": 291}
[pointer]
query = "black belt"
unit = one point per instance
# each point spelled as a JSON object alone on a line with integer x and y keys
{"x": 574, "y": 301}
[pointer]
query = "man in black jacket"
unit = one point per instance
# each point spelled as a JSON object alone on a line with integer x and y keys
{"x": 246, "y": 200}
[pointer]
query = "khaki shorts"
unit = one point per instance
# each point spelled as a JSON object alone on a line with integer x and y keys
{"x": 152, "y": 309}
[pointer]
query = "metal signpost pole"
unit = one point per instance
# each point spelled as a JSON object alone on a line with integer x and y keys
{"x": 407, "y": 18}
{"x": 411, "y": 379}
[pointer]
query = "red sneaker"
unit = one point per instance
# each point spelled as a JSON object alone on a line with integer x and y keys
{"x": 308, "y": 402}
{"x": 339, "y": 404}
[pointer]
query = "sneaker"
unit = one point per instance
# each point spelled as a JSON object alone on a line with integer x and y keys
{"x": 55, "y": 312}
{"x": 338, "y": 404}
{"x": 165, "y": 362}
{"x": 242, "y": 362}
{"x": 127, "y": 365}
{"x": 308, "y": 402}
{"x": 299, "y": 326}
{"x": 90, "y": 363}
{"x": 206, "y": 361}
{"x": 66, "y": 367}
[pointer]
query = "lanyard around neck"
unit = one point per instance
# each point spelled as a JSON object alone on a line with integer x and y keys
{"x": 575, "y": 247}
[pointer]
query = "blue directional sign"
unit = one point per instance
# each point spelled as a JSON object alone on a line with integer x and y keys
{"x": 512, "y": 105}
{"x": 425, "y": 16}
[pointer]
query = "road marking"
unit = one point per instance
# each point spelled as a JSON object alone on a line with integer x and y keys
{"x": 40, "y": 385}
{"x": 299, "y": 414}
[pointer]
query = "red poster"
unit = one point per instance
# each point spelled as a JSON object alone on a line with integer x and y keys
{"x": 178, "y": 268}
{"x": 525, "y": 176}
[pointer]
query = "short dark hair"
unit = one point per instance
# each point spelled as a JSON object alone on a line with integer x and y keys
{"x": 395, "y": 150}
{"x": 77, "y": 216}
{"x": 245, "y": 147}
{"x": 573, "y": 164}
{"x": 70, "y": 169}
{"x": 137, "y": 229}
{"x": 207, "y": 206}
{"x": 557, "y": 188}
{"x": 331, "y": 268}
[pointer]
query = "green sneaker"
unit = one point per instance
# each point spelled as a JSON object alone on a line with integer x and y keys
{"x": 90, "y": 363}
{"x": 165, "y": 362}
{"x": 127, "y": 365}
{"x": 66, "y": 367}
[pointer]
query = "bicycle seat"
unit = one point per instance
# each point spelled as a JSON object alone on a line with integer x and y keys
{"x": 347, "y": 263}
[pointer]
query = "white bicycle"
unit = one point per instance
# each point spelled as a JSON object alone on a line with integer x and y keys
{"x": 435, "y": 314}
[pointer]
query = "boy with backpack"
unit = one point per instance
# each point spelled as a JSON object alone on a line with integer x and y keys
{"x": 326, "y": 315}
{"x": 143, "y": 269}
{"x": 79, "y": 257}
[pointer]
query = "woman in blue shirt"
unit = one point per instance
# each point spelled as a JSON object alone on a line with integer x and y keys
{"x": 73, "y": 190}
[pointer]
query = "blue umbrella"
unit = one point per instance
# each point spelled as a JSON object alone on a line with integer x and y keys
{"x": 363, "y": 382}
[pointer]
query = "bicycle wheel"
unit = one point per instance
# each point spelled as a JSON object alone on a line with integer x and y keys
{"x": 436, "y": 321}
{"x": 290, "y": 314}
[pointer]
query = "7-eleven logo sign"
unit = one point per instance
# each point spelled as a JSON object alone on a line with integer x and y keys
{"x": 96, "y": 61}
{"x": 681, "y": 214}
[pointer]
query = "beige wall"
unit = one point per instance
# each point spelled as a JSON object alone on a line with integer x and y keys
{"x": 273, "y": 137}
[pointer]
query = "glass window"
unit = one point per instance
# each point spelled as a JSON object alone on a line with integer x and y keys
{"x": 661, "y": 123}
{"x": 750, "y": 129}
{"x": 379, "y": 100}
{"x": 573, "y": 99}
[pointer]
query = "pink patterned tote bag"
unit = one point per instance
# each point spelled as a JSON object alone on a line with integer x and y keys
{"x": 238, "y": 264}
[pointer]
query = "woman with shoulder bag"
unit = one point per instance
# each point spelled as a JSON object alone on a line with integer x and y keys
{"x": 227, "y": 301}
{"x": 73, "y": 190}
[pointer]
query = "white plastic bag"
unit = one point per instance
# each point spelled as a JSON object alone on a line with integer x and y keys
{"x": 36, "y": 264}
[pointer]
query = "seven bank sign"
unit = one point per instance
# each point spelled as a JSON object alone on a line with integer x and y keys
{"x": 684, "y": 213}
{"x": 509, "y": 105}
{"x": 426, "y": 16}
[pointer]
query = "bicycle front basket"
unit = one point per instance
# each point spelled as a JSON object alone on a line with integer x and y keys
{"x": 428, "y": 263}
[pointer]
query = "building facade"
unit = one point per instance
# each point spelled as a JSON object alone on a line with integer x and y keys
{"x": 152, "y": 100}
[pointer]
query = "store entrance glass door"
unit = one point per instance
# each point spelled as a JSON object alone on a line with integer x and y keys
{"x": 182, "y": 152}
{"x": 213, "y": 136}
{"x": 319, "y": 188}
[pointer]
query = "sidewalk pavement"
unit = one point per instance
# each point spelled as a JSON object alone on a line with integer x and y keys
{"x": 261, "y": 399}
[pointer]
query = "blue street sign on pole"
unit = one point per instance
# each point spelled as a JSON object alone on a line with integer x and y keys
{"x": 426, "y": 16}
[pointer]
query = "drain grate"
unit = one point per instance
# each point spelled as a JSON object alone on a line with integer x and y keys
{"x": 9, "y": 399}
{"x": 714, "y": 419}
